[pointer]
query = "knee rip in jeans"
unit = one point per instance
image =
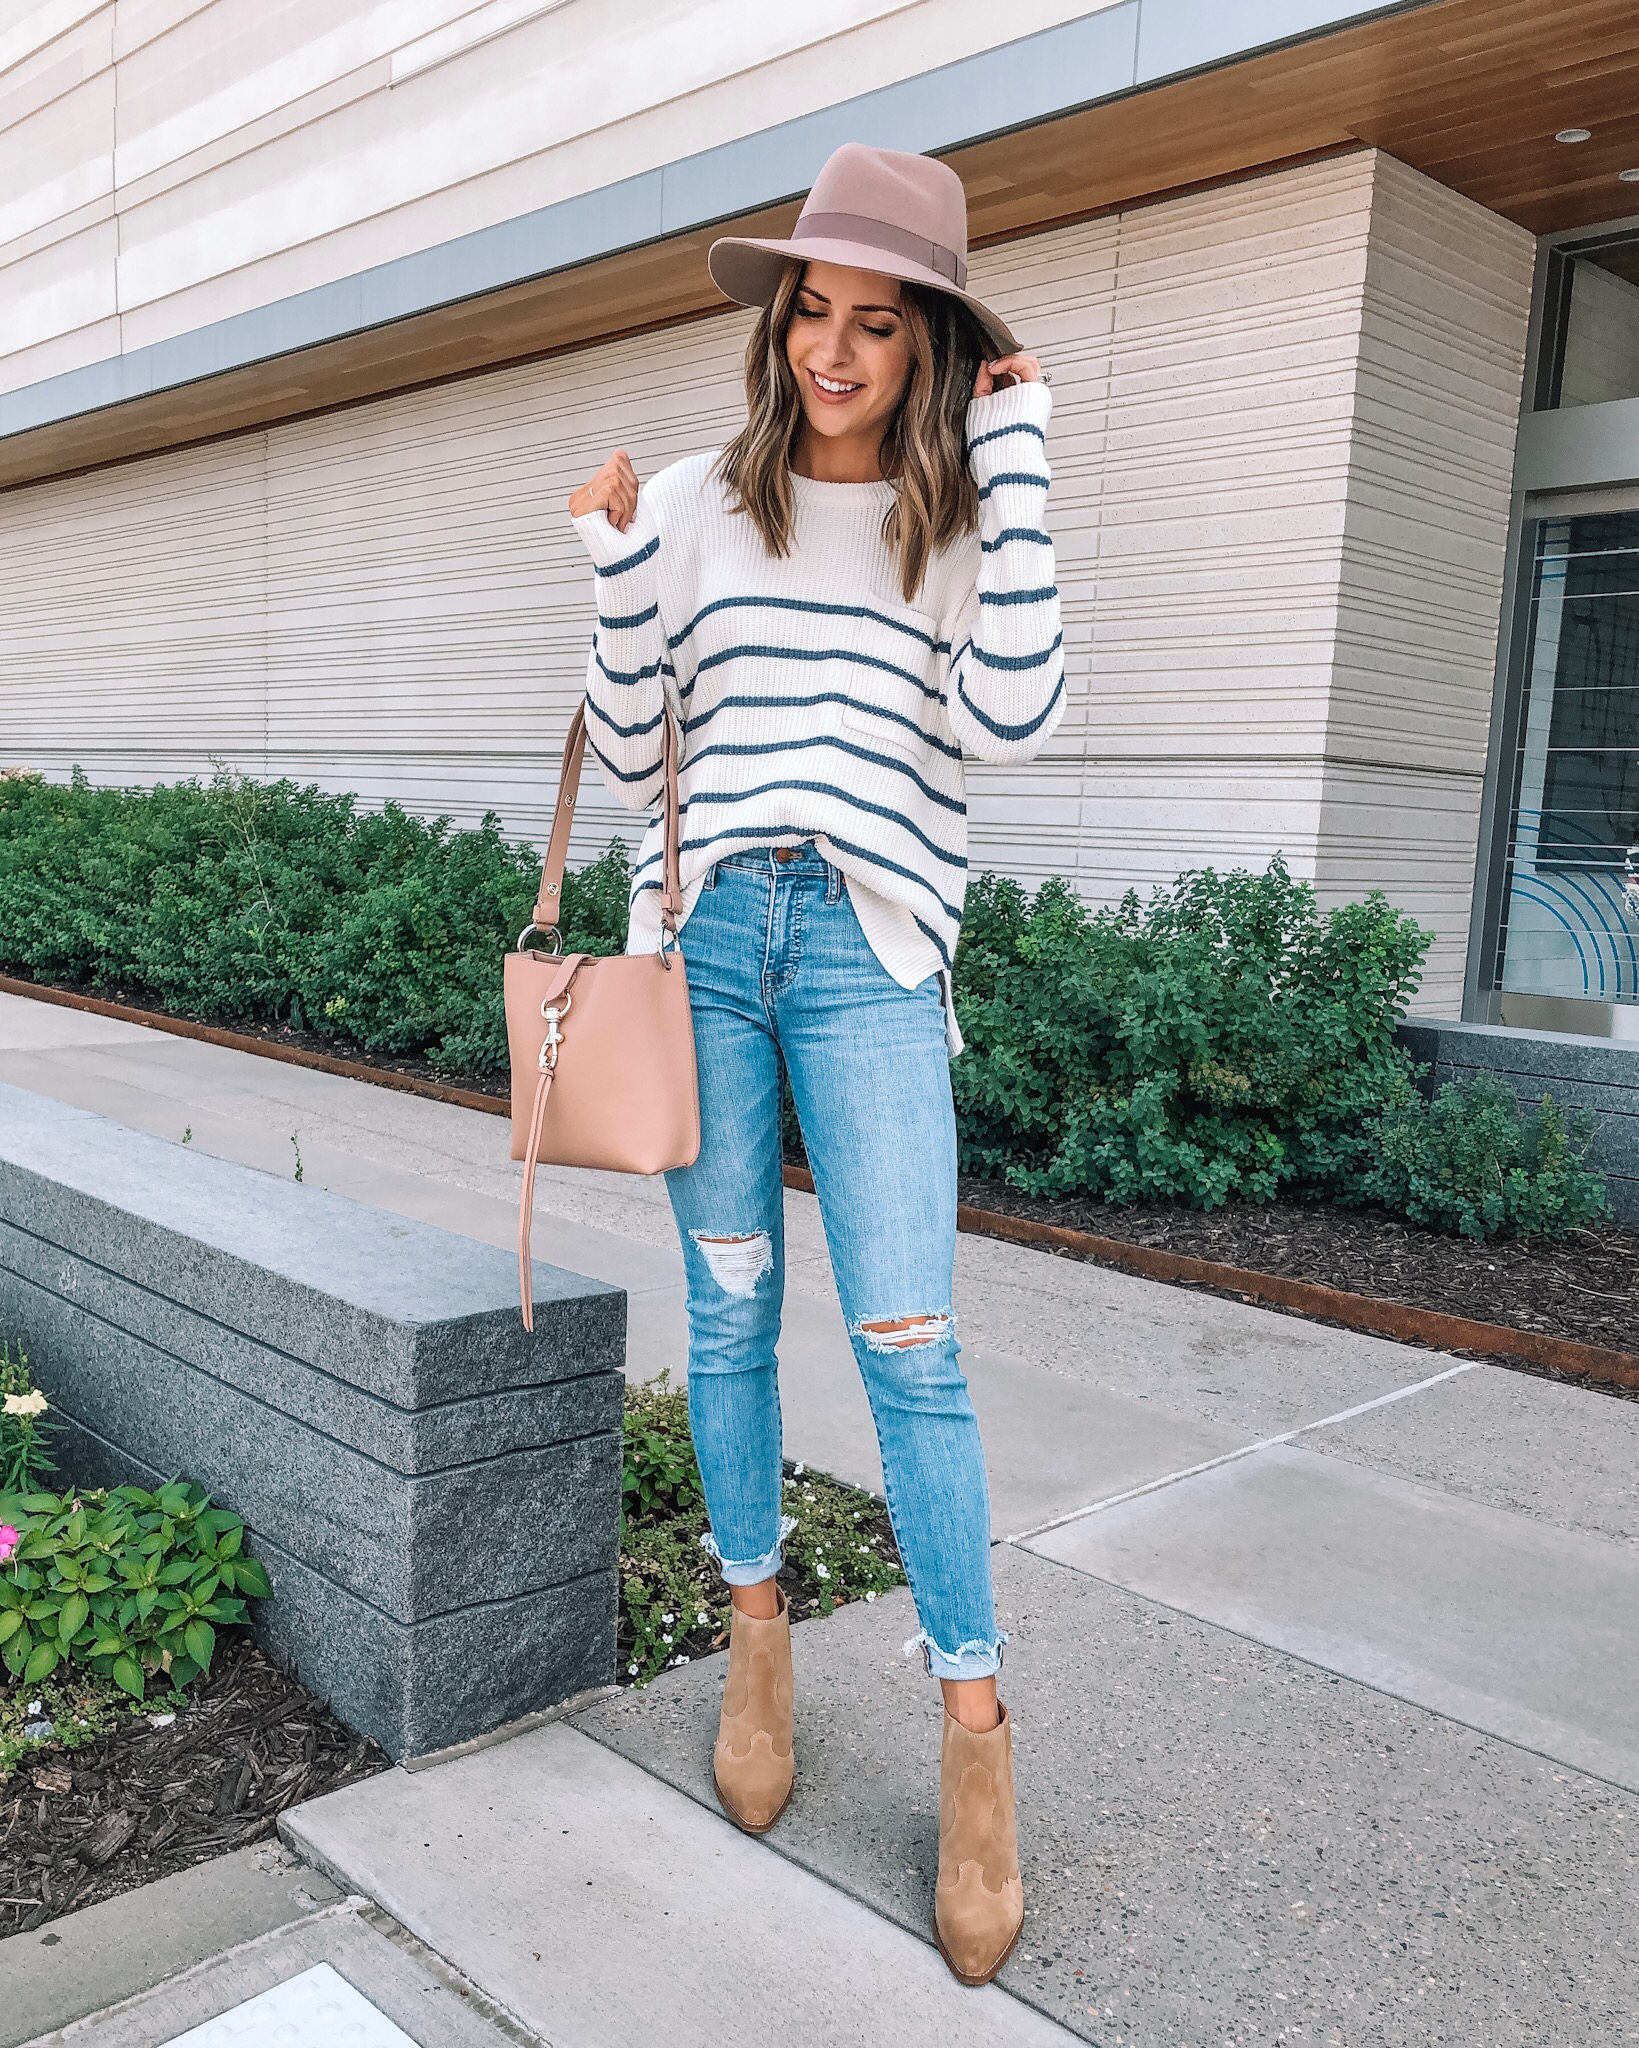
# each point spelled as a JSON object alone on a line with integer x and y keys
{"x": 737, "y": 1261}
{"x": 902, "y": 1333}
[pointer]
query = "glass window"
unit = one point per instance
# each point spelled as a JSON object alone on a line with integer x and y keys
{"x": 1571, "y": 901}
{"x": 1591, "y": 335}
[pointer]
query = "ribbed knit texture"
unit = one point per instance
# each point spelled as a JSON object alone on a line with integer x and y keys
{"x": 814, "y": 702}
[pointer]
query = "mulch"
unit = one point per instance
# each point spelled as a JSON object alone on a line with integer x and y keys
{"x": 1584, "y": 1287}
{"x": 82, "y": 1825}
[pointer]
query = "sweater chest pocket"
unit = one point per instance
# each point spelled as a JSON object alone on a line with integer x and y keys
{"x": 895, "y": 680}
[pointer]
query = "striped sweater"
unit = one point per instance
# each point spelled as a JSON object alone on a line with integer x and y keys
{"x": 814, "y": 702}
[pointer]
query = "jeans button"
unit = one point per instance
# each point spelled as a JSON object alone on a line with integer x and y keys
{"x": 785, "y": 853}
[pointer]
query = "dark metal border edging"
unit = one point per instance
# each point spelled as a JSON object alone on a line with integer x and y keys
{"x": 1303, "y": 1297}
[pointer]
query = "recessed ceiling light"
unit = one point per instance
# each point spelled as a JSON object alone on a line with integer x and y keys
{"x": 1630, "y": 177}
{"x": 1574, "y": 135}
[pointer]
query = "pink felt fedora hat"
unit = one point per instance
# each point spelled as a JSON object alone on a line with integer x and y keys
{"x": 871, "y": 209}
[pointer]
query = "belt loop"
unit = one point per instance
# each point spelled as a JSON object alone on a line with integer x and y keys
{"x": 833, "y": 884}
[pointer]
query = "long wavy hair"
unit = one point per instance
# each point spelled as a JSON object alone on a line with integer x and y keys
{"x": 924, "y": 450}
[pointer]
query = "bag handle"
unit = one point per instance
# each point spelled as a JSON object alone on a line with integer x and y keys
{"x": 549, "y": 903}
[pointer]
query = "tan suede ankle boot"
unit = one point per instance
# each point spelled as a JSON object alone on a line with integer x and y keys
{"x": 753, "y": 1763}
{"x": 978, "y": 1905}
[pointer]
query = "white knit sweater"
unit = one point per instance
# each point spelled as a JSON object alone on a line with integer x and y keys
{"x": 814, "y": 702}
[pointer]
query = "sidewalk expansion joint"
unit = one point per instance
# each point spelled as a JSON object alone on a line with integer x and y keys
{"x": 1267, "y": 1443}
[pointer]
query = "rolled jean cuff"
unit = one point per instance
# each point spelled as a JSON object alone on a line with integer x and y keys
{"x": 976, "y": 1659}
{"x": 757, "y": 1569}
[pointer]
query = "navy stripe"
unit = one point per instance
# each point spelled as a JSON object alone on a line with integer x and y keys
{"x": 819, "y": 697}
{"x": 825, "y": 739}
{"x": 816, "y": 654}
{"x": 858, "y": 803}
{"x": 996, "y": 433}
{"x": 631, "y": 619}
{"x": 767, "y": 833}
{"x": 801, "y": 604}
{"x": 1012, "y": 476}
{"x": 1012, "y": 732}
{"x": 1019, "y": 596}
{"x": 928, "y": 932}
{"x": 620, "y": 774}
{"x": 629, "y": 562}
{"x": 625, "y": 732}
{"x": 1034, "y": 533}
{"x": 621, "y": 676}
{"x": 1016, "y": 661}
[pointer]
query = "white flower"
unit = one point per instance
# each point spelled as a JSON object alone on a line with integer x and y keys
{"x": 870, "y": 1596}
{"x": 631, "y": 1670}
{"x": 702, "y": 1620}
{"x": 797, "y": 1472}
{"x": 679, "y": 1660}
{"x": 26, "y": 1404}
{"x": 665, "y": 1639}
{"x": 822, "y": 1571}
{"x": 34, "y": 1706}
{"x": 668, "y": 1619}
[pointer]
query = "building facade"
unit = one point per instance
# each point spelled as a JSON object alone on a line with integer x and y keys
{"x": 310, "y": 319}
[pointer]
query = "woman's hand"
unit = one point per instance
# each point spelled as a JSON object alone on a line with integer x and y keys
{"x": 613, "y": 490}
{"x": 1006, "y": 370}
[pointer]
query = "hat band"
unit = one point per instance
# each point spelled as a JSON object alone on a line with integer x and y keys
{"x": 883, "y": 235}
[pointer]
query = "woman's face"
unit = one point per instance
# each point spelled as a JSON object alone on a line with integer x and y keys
{"x": 849, "y": 351}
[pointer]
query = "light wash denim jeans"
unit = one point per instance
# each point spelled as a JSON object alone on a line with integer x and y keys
{"x": 778, "y": 965}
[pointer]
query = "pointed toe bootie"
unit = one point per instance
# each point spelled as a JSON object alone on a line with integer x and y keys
{"x": 753, "y": 1763}
{"x": 978, "y": 1905}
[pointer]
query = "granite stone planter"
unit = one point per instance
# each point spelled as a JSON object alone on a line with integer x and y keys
{"x": 434, "y": 1492}
{"x": 1596, "y": 1074}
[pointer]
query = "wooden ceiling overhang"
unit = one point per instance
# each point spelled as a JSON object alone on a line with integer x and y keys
{"x": 1471, "y": 92}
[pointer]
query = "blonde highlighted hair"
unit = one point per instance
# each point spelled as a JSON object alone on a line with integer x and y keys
{"x": 924, "y": 451}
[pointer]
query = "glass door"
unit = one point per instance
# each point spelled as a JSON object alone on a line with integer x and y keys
{"x": 1570, "y": 906}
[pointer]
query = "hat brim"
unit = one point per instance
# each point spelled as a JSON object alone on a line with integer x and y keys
{"x": 750, "y": 272}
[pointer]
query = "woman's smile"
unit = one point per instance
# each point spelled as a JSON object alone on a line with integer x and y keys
{"x": 833, "y": 390}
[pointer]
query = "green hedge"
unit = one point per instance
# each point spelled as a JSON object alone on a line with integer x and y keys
{"x": 264, "y": 902}
{"x": 1225, "y": 1040}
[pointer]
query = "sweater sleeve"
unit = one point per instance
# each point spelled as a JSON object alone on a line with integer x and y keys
{"x": 625, "y": 676}
{"x": 1007, "y": 644}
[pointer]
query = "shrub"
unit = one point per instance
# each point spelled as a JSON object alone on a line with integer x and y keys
{"x": 670, "y": 1591}
{"x": 1224, "y": 1039}
{"x": 131, "y": 1584}
{"x": 25, "y": 1435}
{"x": 1471, "y": 1161}
{"x": 265, "y": 902}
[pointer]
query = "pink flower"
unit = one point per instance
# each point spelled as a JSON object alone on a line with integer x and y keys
{"x": 9, "y": 1540}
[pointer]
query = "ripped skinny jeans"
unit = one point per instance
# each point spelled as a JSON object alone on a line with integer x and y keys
{"x": 778, "y": 966}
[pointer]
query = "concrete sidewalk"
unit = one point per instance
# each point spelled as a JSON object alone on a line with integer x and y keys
{"x": 1326, "y": 1659}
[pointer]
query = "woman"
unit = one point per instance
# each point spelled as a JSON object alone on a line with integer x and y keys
{"x": 854, "y": 593}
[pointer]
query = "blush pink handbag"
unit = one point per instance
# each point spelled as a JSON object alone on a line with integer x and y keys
{"x": 602, "y": 1050}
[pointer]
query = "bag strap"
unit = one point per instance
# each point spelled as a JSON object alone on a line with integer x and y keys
{"x": 549, "y": 904}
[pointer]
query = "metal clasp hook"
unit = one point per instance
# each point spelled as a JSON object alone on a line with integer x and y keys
{"x": 554, "y": 1014}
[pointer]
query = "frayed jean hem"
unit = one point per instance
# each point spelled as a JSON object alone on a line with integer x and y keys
{"x": 970, "y": 1660}
{"x": 757, "y": 1569}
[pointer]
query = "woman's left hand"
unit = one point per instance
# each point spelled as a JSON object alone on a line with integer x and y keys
{"x": 1006, "y": 370}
